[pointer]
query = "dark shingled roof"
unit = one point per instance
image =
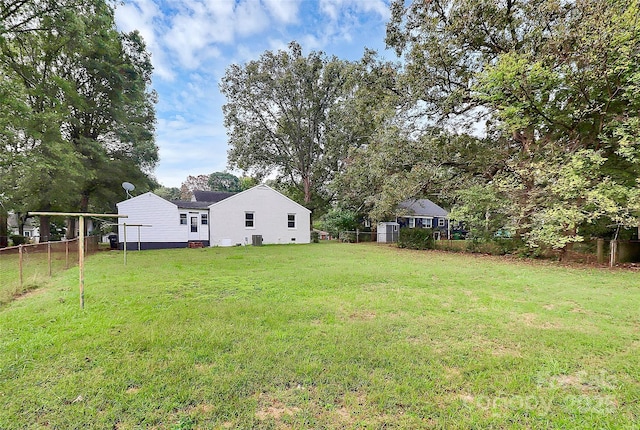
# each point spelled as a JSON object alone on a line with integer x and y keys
{"x": 422, "y": 207}
{"x": 211, "y": 196}
{"x": 184, "y": 204}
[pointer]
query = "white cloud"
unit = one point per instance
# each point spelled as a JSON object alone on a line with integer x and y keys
{"x": 146, "y": 17}
{"x": 284, "y": 11}
{"x": 193, "y": 41}
{"x": 251, "y": 18}
{"x": 334, "y": 8}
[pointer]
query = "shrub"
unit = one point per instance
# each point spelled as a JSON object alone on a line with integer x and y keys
{"x": 315, "y": 237}
{"x": 416, "y": 238}
{"x": 19, "y": 240}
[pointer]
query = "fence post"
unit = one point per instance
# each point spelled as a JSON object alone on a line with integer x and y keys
{"x": 66, "y": 254}
{"x": 81, "y": 260}
{"x": 614, "y": 253}
{"x": 20, "y": 263}
{"x": 49, "y": 256}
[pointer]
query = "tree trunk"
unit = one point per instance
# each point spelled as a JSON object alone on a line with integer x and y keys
{"x": 45, "y": 229}
{"x": 21, "y": 220}
{"x": 84, "y": 202}
{"x": 306, "y": 181}
{"x": 71, "y": 228}
{"x": 4, "y": 228}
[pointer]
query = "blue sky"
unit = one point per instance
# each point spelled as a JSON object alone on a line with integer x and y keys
{"x": 192, "y": 42}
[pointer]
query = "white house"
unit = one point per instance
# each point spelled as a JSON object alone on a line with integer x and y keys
{"x": 154, "y": 222}
{"x": 259, "y": 211}
{"x": 158, "y": 223}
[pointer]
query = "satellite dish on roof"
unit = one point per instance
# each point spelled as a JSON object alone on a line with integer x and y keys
{"x": 128, "y": 187}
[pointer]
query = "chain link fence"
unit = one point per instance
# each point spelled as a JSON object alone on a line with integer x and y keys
{"x": 25, "y": 267}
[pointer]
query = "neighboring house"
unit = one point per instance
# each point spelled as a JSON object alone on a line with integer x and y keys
{"x": 423, "y": 213}
{"x": 30, "y": 228}
{"x": 322, "y": 235}
{"x": 221, "y": 219}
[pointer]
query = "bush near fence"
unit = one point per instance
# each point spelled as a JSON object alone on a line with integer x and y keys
{"x": 357, "y": 236}
{"x": 26, "y": 267}
{"x": 416, "y": 238}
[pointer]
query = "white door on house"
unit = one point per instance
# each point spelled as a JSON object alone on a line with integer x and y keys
{"x": 193, "y": 226}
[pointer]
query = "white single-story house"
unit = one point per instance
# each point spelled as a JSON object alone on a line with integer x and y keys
{"x": 255, "y": 216}
{"x": 30, "y": 228}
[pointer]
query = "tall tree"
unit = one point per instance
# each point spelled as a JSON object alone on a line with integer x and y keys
{"x": 283, "y": 115}
{"x": 557, "y": 81}
{"x": 224, "y": 181}
{"x": 41, "y": 171}
{"x": 194, "y": 183}
{"x": 83, "y": 115}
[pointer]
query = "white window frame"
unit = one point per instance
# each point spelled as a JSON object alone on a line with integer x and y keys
{"x": 428, "y": 223}
{"x": 412, "y": 222}
{"x": 252, "y": 220}
{"x": 441, "y": 222}
{"x": 204, "y": 219}
{"x": 289, "y": 221}
{"x": 183, "y": 219}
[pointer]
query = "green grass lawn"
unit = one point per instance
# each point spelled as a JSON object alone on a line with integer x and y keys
{"x": 35, "y": 269}
{"x": 322, "y": 336}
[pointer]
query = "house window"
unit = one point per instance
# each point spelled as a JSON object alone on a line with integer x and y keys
{"x": 183, "y": 219}
{"x": 412, "y": 222}
{"x": 204, "y": 219}
{"x": 427, "y": 223}
{"x": 440, "y": 222}
{"x": 194, "y": 224}
{"x": 27, "y": 233}
{"x": 291, "y": 220}
{"x": 249, "y": 220}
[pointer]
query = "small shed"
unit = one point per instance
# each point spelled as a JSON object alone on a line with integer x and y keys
{"x": 388, "y": 232}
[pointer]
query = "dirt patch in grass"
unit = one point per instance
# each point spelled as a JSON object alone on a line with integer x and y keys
{"x": 452, "y": 372}
{"x": 202, "y": 408}
{"x": 362, "y": 315}
{"x": 584, "y": 382}
{"x": 272, "y": 408}
{"x": 28, "y": 293}
{"x": 531, "y": 320}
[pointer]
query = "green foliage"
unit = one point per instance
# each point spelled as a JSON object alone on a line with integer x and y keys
{"x": 16, "y": 239}
{"x": 247, "y": 182}
{"x": 77, "y": 114}
{"x": 338, "y": 220}
{"x": 555, "y": 87}
{"x": 416, "y": 238}
{"x": 224, "y": 181}
{"x": 284, "y": 114}
{"x": 168, "y": 193}
{"x": 483, "y": 209}
{"x": 315, "y": 237}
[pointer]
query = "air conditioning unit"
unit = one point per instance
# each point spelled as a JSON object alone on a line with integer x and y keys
{"x": 256, "y": 240}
